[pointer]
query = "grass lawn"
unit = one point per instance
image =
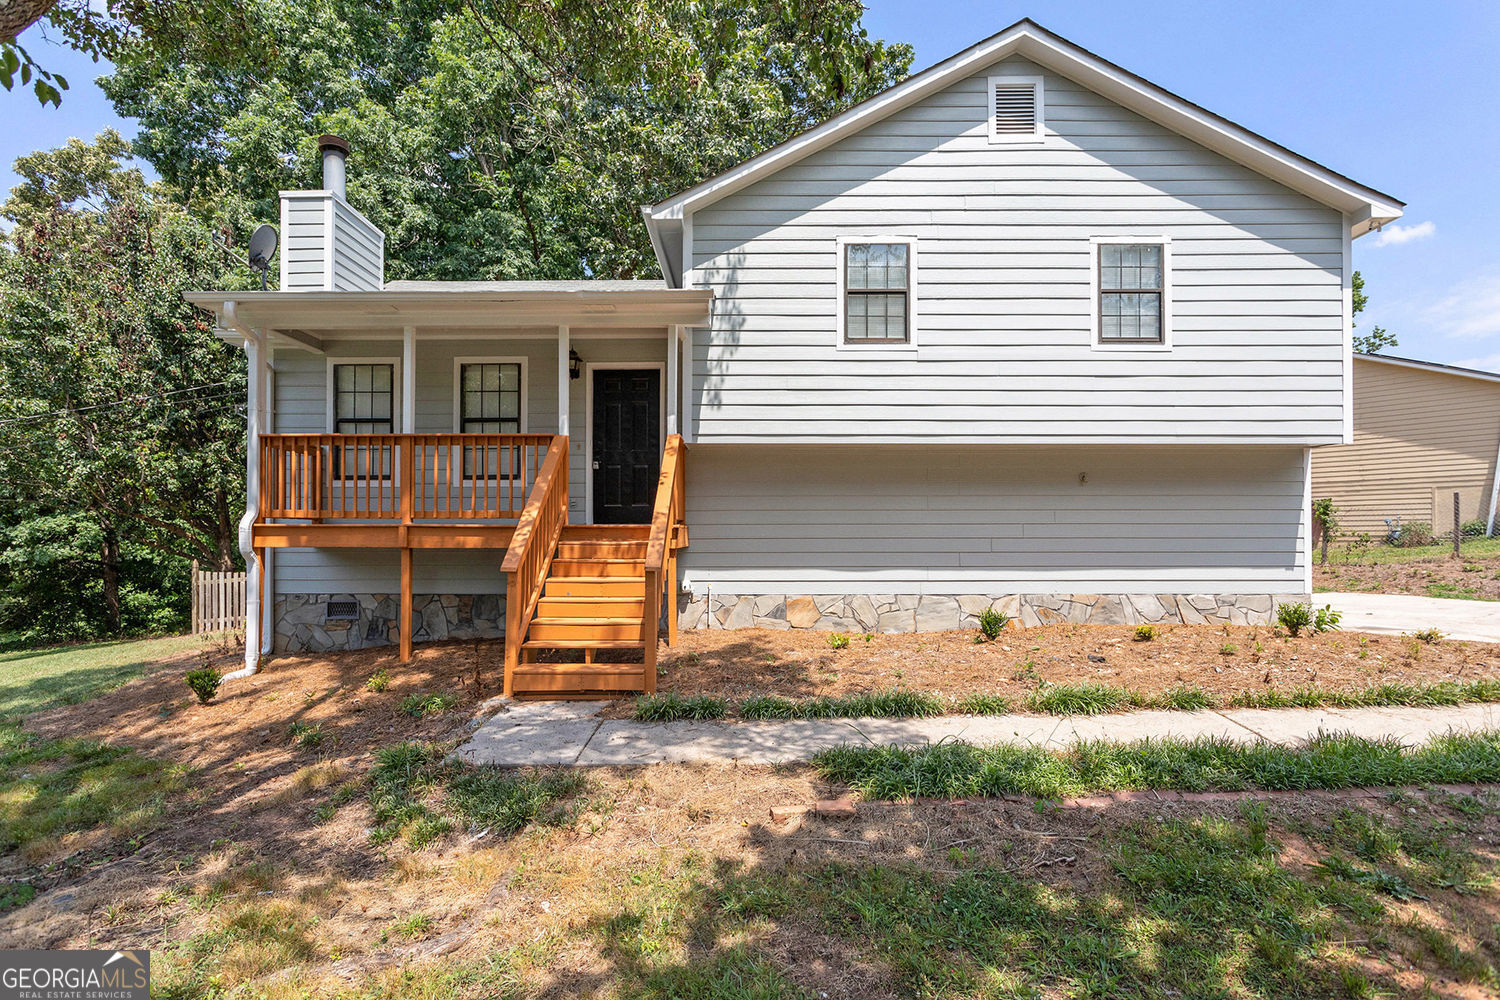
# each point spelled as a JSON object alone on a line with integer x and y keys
{"x": 33, "y": 679}
{"x": 326, "y": 845}
{"x": 1469, "y": 548}
{"x": 1426, "y": 571}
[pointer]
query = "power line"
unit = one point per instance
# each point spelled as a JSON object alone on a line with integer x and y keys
{"x": 128, "y": 401}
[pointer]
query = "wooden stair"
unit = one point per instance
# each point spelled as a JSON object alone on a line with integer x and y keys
{"x": 593, "y": 600}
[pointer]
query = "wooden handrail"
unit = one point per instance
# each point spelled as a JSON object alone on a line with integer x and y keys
{"x": 661, "y": 551}
{"x": 529, "y": 557}
{"x": 398, "y": 476}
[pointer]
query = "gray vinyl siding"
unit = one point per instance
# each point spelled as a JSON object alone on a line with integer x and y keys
{"x": 359, "y": 252}
{"x": 304, "y": 242}
{"x": 883, "y": 519}
{"x": 1004, "y": 305}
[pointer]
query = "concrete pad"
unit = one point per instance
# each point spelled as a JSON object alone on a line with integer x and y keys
{"x": 1396, "y": 614}
{"x": 528, "y": 745}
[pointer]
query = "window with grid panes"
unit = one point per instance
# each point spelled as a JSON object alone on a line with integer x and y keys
{"x": 877, "y": 293}
{"x": 1130, "y": 293}
{"x": 489, "y": 403}
{"x": 363, "y": 403}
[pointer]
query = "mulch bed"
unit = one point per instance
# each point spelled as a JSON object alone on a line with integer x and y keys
{"x": 799, "y": 664}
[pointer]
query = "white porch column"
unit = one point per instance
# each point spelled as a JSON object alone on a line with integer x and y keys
{"x": 674, "y": 334}
{"x": 685, "y": 339}
{"x": 409, "y": 380}
{"x": 268, "y": 555}
{"x": 564, "y": 381}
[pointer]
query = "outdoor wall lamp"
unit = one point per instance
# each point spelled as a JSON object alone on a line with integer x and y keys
{"x": 575, "y": 364}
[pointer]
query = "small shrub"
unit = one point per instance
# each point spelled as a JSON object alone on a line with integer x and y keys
{"x": 1428, "y": 635}
{"x": 1327, "y": 619}
{"x": 672, "y": 707}
{"x": 838, "y": 640}
{"x": 1294, "y": 617}
{"x": 378, "y": 681}
{"x": 1228, "y": 649}
{"x": 1476, "y": 528}
{"x": 1414, "y": 535}
{"x": 991, "y": 622}
{"x": 419, "y": 705}
{"x": 205, "y": 683}
{"x": 1145, "y": 633}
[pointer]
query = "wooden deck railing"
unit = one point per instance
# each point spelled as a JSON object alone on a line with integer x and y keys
{"x": 406, "y": 476}
{"x": 529, "y": 557}
{"x": 661, "y": 551}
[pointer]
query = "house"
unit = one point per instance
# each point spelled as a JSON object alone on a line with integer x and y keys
{"x": 1422, "y": 432}
{"x": 1023, "y": 331}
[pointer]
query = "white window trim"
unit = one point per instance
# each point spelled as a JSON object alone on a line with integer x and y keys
{"x": 1095, "y": 242}
{"x": 1039, "y": 135}
{"x": 913, "y": 325}
{"x": 396, "y": 383}
{"x": 458, "y": 395}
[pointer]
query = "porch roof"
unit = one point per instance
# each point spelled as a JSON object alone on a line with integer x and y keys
{"x": 462, "y": 305}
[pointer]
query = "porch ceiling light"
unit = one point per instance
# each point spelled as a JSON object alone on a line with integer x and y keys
{"x": 575, "y": 364}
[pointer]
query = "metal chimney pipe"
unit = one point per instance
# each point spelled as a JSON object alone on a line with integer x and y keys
{"x": 335, "y": 152}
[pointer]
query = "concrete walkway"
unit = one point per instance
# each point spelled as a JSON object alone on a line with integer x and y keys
{"x": 1474, "y": 621}
{"x": 547, "y": 733}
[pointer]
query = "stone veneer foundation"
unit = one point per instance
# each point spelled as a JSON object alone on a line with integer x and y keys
{"x": 302, "y": 625}
{"x": 937, "y": 613}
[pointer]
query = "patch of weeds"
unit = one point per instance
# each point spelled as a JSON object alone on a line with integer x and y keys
{"x": 1428, "y": 635}
{"x": 50, "y": 788}
{"x": 672, "y": 707}
{"x": 414, "y": 926}
{"x": 960, "y": 770}
{"x": 14, "y": 895}
{"x": 1469, "y": 966}
{"x": 422, "y": 705}
{"x": 1076, "y": 699}
{"x": 506, "y": 801}
{"x": 400, "y": 782}
{"x": 1386, "y": 882}
{"x": 893, "y": 704}
{"x": 378, "y": 681}
{"x": 1228, "y": 649}
{"x": 983, "y": 704}
{"x": 305, "y": 736}
{"x": 838, "y": 640}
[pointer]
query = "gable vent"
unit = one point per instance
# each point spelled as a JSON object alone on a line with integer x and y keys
{"x": 1015, "y": 109}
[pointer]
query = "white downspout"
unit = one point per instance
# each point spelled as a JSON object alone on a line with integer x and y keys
{"x": 1494, "y": 492}
{"x": 253, "y": 344}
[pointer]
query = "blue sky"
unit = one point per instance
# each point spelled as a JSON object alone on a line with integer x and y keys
{"x": 1402, "y": 97}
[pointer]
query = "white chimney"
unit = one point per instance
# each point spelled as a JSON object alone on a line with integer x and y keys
{"x": 327, "y": 245}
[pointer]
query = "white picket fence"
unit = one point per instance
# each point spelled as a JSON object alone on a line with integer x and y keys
{"x": 218, "y": 600}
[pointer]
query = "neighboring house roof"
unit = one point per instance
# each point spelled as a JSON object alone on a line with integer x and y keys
{"x": 1367, "y": 207}
{"x": 1432, "y": 366}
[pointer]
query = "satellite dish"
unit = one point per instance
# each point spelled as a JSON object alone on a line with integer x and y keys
{"x": 262, "y": 249}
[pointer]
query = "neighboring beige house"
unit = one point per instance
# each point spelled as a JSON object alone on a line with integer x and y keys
{"x": 1421, "y": 432}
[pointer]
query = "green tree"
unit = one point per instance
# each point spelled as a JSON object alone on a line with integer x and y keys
{"x": 1377, "y": 338}
{"x": 118, "y": 406}
{"x": 501, "y": 138}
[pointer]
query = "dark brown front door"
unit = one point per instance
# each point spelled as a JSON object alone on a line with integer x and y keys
{"x": 627, "y": 444}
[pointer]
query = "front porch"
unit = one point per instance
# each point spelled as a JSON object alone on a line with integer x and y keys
{"x": 585, "y": 588}
{"x": 484, "y": 445}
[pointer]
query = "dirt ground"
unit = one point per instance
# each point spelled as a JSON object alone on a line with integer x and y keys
{"x": 246, "y": 849}
{"x": 1222, "y": 660}
{"x": 1471, "y": 578}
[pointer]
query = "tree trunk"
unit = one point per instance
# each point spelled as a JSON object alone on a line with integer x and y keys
{"x": 1323, "y": 559}
{"x": 18, "y": 15}
{"x": 109, "y": 557}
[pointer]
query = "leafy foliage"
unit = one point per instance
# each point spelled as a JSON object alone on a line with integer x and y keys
{"x": 1378, "y": 338}
{"x": 992, "y": 622}
{"x": 1294, "y": 617}
{"x": 499, "y": 139}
